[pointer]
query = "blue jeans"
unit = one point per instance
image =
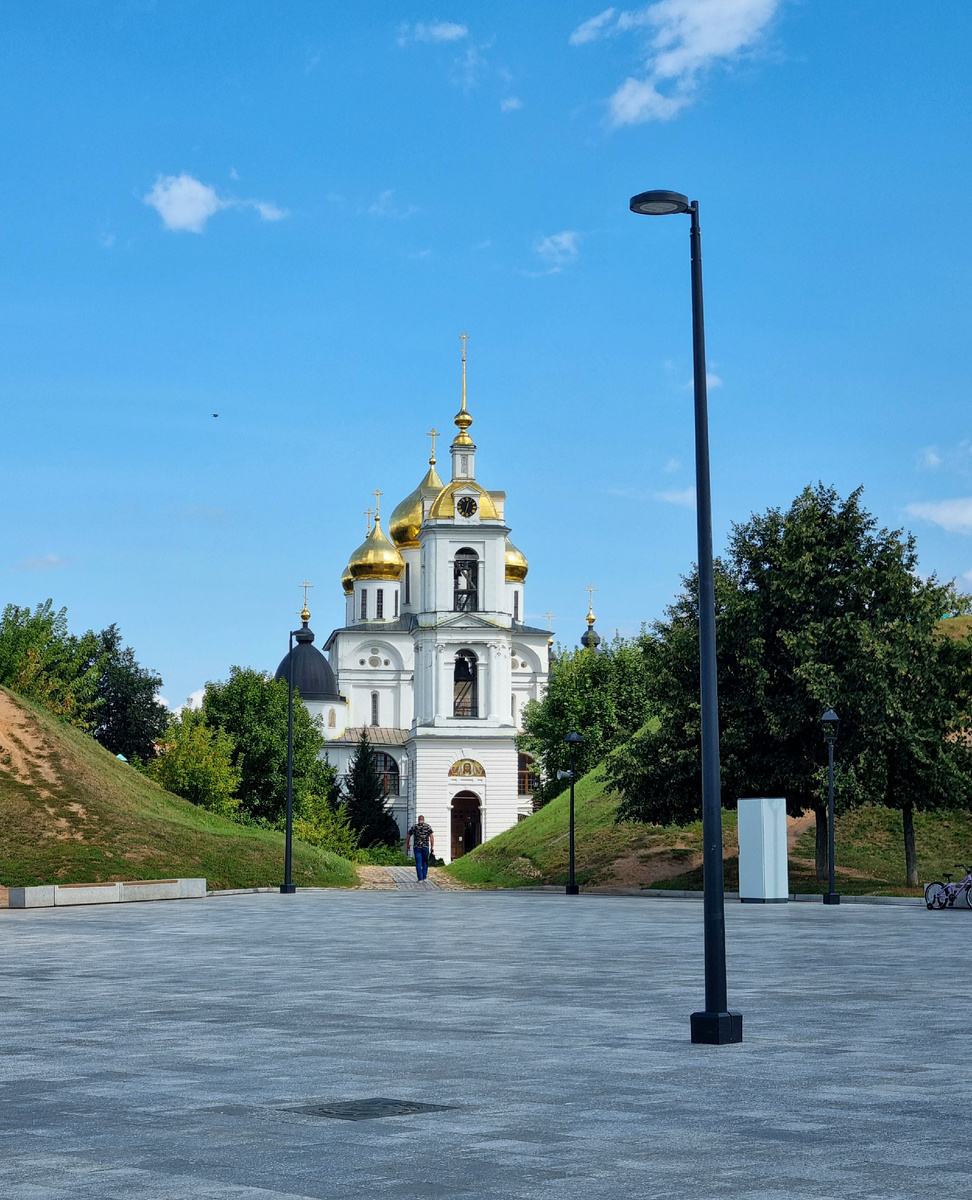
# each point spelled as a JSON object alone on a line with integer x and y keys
{"x": 421, "y": 861}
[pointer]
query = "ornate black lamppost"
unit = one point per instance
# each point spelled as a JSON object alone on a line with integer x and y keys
{"x": 716, "y": 1025}
{"x": 573, "y": 740}
{"x": 830, "y": 723}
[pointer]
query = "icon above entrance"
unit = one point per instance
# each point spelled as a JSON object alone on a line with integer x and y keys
{"x": 467, "y": 768}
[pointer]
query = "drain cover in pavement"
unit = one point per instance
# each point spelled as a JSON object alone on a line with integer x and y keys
{"x": 367, "y": 1110}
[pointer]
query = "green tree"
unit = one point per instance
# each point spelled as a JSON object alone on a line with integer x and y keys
{"x": 322, "y": 822}
{"x": 129, "y": 719}
{"x": 364, "y": 793}
{"x": 815, "y": 606}
{"x": 251, "y": 707}
{"x": 605, "y": 697}
{"x": 42, "y": 660}
{"x": 196, "y": 762}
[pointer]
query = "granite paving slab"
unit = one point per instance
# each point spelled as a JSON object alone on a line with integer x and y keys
{"x": 158, "y": 1052}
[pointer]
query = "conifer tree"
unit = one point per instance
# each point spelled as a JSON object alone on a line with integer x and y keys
{"x": 364, "y": 793}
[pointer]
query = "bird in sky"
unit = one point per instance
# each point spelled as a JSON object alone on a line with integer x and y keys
{"x": 215, "y": 414}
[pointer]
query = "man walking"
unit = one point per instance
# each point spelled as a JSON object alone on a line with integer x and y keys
{"x": 424, "y": 845}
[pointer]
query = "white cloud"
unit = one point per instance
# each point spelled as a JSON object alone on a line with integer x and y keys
{"x": 685, "y": 499}
{"x": 930, "y": 458}
{"x": 185, "y": 204}
{"x": 559, "y": 249}
{"x": 953, "y": 515}
{"x": 385, "y": 206}
{"x": 267, "y": 211}
{"x": 593, "y": 29}
{"x": 43, "y": 562}
{"x": 673, "y": 465}
{"x": 194, "y": 701}
{"x": 684, "y": 38}
{"x": 510, "y": 104}
{"x": 435, "y": 31}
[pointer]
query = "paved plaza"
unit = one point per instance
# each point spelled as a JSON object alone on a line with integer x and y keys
{"x": 156, "y": 1051}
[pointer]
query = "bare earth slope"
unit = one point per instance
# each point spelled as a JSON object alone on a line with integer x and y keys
{"x": 70, "y": 812}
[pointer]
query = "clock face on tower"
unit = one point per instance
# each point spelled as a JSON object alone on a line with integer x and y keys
{"x": 466, "y": 506}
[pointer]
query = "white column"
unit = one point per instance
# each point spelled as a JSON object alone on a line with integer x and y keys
{"x": 443, "y": 700}
{"x": 493, "y": 682}
{"x": 484, "y": 700}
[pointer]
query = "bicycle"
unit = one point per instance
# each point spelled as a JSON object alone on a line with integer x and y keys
{"x": 943, "y": 895}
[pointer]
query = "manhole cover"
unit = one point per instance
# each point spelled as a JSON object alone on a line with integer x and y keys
{"x": 367, "y": 1110}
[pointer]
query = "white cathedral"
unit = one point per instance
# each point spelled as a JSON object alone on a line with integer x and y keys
{"x": 435, "y": 661}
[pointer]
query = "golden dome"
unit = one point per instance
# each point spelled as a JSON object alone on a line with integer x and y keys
{"x": 445, "y": 503}
{"x": 376, "y": 557}
{"x": 406, "y": 520}
{"x": 516, "y": 564}
{"x": 347, "y": 580}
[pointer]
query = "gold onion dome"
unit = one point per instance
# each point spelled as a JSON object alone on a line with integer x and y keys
{"x": 376, "y": 557}
{"x": 516, "y": 564}
{"x": 406, "y": 519}
{"x": 347, "y": 580}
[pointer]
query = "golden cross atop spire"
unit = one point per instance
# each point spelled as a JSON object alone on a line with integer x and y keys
{"x": 368, "y": 512}
{"x": 305, "y": 611}
{"x": 462, "y": 417}
{"x": 590, "y": 589}
{"x": 464, "y": 337}
{"x": 433, "y": 434}
{"x": 377, "y": 495}
{"x": 550, "y": 616}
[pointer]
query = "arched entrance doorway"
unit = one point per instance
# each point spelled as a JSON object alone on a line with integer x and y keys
{"x": 467, "y": 828}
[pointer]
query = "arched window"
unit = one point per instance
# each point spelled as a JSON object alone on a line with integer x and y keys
{"x": 380, "y": 604}
{"x": 527, "y": 779}
{"x": 465, "y": 685}
{"x": 465, "y": 575}
{"x": 364, "y": 604}
{"x": 516, "y": 606}
{"x": 332, "y": 719}
{"x": 513, "y": 707}
{"x": 388, "y": 771}
{"x": 396, "y": 602}
{"x": 374, "y": 709}
{"x": 408, "y": 583}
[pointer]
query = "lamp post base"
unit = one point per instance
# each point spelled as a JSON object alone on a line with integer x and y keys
{"x": 288, "y": 889}
{"x": 831, "y": 898}
{"x": 572, "y": 889}
{"x": 716, "y": 1029}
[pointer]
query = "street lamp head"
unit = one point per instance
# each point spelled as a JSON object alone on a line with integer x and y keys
{"x": 830, "y": 723}
{"x": 659, "y": 204}
{"x": 573, "y": 738}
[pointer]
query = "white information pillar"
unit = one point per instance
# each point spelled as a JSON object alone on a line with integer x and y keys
{"x": 763, "y": 875}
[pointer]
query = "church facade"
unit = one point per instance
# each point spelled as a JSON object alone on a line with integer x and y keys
{"x": 435, "y": 661}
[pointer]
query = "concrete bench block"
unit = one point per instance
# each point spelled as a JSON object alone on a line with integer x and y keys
{"x": 49, "y": 895}
{"x": 192, "y": 889}
{"x": 86, "y": 893}
{"x": 32, "y": 897}
{"x": 150, "y": 889}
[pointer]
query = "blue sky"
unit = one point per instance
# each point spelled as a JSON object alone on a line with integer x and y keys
{"x": 286, "y": 213}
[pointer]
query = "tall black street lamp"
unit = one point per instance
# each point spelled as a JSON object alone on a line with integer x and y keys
{"x": 288, "y": 887}
{"x": 830, "y": 723}
{"x": 716, "y": 1025}
{"x": 573, "y": 740}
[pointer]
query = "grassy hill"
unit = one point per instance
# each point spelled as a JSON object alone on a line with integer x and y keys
{"x": 870, "y": 854}
{"x": 70, "y": 812}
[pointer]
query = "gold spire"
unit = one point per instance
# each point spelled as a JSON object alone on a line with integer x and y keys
{"x": 377, "y": 495}
{"x": 433, "y": 434}
{"x": 462, "y": 418}
{"x": 305, "y": 611}
{"x": 590, "y": 589}
{"x": 368, "y": 512}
